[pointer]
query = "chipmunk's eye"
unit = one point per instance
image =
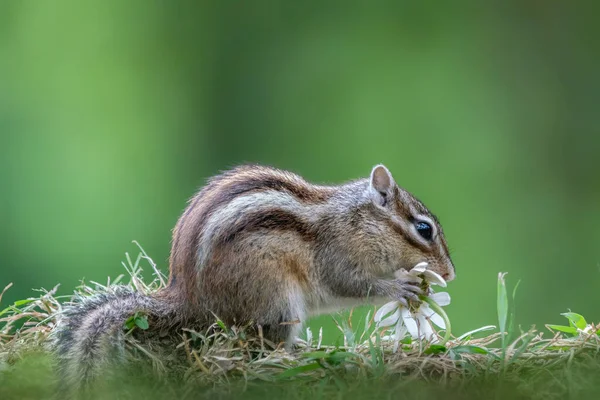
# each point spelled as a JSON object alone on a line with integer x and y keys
{"x": 424, "y": 229}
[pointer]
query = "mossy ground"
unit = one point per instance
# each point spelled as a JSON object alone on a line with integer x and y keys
{"x": 228, "y": 362}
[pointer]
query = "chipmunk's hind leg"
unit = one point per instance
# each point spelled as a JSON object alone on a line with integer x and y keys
{"x": 259, "y": 280}
{"x": 284, "y": 322}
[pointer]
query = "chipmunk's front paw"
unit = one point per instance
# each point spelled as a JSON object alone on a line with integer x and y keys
{"x": 407, "y": 289}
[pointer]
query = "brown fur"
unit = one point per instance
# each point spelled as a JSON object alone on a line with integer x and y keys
{"x": 221, "y": 190}
{"x": 265, "y": 251}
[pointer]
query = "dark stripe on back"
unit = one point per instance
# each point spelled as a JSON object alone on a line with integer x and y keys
{"x": 219, "y": 191}
{"x": 252, "y": 179}
{"x": 273, "y": 220}
{"x": 264, "y": 180}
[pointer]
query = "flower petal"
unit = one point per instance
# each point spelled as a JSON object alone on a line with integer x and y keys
{"x": 385, "y": 310}
{"x": 403, "y": 274}
{"x": 441, "y": 298}
{"x": 434, "y": 278}
{"x": 410, "y": 323}
{"x": 432, "y": 316}
{"x": 425, "y": 310}
{"x": 399, "y": 333}
{"x": 425, "y": 330}
{"x": 437, "y": 320}
{"x": 419, "y": 268}
{"x": 400, "y": 330}
{"x": 391, "y": 320}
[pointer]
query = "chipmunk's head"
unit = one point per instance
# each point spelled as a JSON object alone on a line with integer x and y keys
{"x": 412, "y": 234}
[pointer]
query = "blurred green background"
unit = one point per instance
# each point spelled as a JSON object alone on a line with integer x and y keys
{"x": 113, "y": 113}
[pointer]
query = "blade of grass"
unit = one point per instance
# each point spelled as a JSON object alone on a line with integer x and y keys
{"x": 298, "y": 370}
{"x": 502, "y": 306}
{"x": 512, "y": 314}
{"x": 474, "y": 331}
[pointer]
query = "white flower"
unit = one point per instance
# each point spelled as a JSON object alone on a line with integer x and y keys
{"x": 421, "y": 269}
{"x": 415, "y": 321}
{"x": 589, "y": 329}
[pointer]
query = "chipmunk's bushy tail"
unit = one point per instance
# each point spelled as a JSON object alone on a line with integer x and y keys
{"x": 90, "y": 334}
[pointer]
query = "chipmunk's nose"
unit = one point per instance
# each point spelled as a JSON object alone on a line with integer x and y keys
{"x": 449, "y": 276}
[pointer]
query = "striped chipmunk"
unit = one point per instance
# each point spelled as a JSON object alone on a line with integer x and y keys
{"x": 261, "y": 246}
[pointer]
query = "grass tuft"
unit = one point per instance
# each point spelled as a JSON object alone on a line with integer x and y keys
{"x": 560, "y": 362}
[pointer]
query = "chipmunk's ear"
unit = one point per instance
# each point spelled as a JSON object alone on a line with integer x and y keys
{"x": 381, "y": 185}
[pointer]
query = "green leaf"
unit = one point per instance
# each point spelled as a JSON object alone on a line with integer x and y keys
{"x": 338, "y": 357}
{"x": 455, "y": 352}
{"x": 22, "y": 302}
{"x": 575, "y": 320}
{"x": 298, "y": 370}
{"x": 435, "y": 349}
{"x": 316, "y": 355}
{"x": 130, "y": 322}
{"x": 222, "y": 325}
{"x": 335, "y": 357}
{"x": 468, "y": 349}
{"x": 141, "y": 321}
{"x": 138, "y": 319}
{"x": 567, "y": 329}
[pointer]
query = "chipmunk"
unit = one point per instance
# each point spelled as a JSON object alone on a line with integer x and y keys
{"x": 261, "y": 245}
